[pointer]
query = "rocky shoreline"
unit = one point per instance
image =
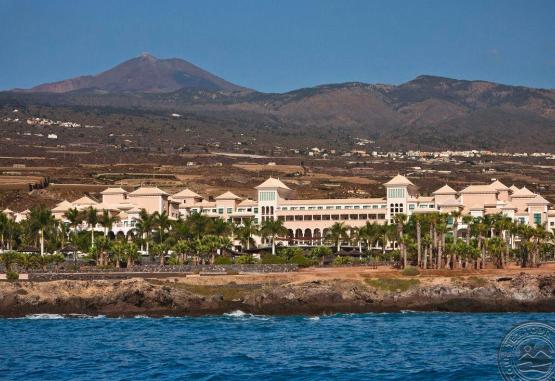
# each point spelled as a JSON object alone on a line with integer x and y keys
{"x": 174, "y": 297}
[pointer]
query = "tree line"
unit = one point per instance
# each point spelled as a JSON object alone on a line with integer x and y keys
{"x": 427, "y": 240}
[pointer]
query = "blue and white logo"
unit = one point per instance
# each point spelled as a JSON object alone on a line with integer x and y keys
{"x": 528, "y": 353}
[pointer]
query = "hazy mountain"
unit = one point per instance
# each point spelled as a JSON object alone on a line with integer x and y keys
{"x": 144, "y": 74}
{"x": 427, "y": 112}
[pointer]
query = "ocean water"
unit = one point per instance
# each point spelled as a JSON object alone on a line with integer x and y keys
{"x": 237, "y": 346}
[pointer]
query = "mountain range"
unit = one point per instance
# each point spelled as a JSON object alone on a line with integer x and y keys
{"x": 428, "y": 112}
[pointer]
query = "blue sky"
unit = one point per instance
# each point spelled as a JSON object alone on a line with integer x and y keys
{"x": 283, "y": 45}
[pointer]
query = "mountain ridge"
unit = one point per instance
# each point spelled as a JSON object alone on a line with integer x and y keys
{"x": 428, "y": 111}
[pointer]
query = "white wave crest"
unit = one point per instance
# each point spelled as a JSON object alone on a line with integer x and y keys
{"x": 44, "y": 317}
{"x": 238, "y": 314}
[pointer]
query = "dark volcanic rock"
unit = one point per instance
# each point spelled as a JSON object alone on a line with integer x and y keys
{"x": 154, "y": 297}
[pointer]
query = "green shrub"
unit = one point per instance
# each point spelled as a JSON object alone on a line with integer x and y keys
{"x": 393, "y": 284}
{"x": 221, "y": 260}
{"x": 269, "y": 259}
{"x": 245, "y": 260}
{"x": 174, "y": 261}
{"x": 12, "y": 275}
{"x": 300, "y": 260}
{"x": 339, "y": 261}
{"x": 289, "y": 252}
{"x": 320, "y": 251}
{"x": 410, "y": 271}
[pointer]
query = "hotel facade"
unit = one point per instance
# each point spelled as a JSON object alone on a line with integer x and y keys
{"x": 308, "y": 220}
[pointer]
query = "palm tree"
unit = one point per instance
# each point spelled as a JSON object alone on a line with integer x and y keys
{"x": 11, "y": 231}
{"x": 338, "y": 233}
{"x": 163, "y": 223}
{"x": 441, "y": 229}
{"x": 212, "y": 243}
{"x": 3, "y": 228}
{"x": 368, "y": 234}
{"x": 247, "y": 231}
{"x": 41, "y": 218}
{"x": 385, "y": 233}
{"x": 131, "y": 253}
{"x": 74, "y": 217}
{"x": 400, "y": 220}
{"x": 199, "y": 224}
{"x": 144, "y": 226}
{"x": 107, "y": 221}
{"x": 118, "y": 250}
{"x": 272, "y": 229}
{"x": 467, "y": 220}
{"x": 91, "y": 217}
{"x": 418, "y": 219}
{"x": 496, "y": 248}
{"x": 221, "y": 228}
{"x": 427, "y": 242}
{"x": 182, "y": 248}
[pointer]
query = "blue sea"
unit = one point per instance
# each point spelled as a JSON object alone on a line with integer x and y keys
{"x": 238, "y": 346}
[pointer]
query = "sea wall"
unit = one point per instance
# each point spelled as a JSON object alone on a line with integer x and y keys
{"x": 155, "y": 271}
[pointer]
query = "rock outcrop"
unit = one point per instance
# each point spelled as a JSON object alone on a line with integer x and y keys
{"x": 157, "y": 297}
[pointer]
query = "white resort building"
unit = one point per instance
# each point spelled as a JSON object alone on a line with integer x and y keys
{"x": 308, "y": 220}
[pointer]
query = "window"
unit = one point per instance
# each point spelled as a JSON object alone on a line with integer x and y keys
{"x": 375, "y": 206}
{"x": 329, "y": 207}
{"x": 521, "y": 220}
{"x": 220, "y": 210}
{"x": 283, "y": 208}
{"x": 266, "y": 196}
{"x": 396, "y": 193}
{"x": 411, "y": 206}
{"x": 338, "y": 207}
{"x": 537, "y": 218}
{"x": 255, "y": 210}
{"x": 229, "y": 210}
